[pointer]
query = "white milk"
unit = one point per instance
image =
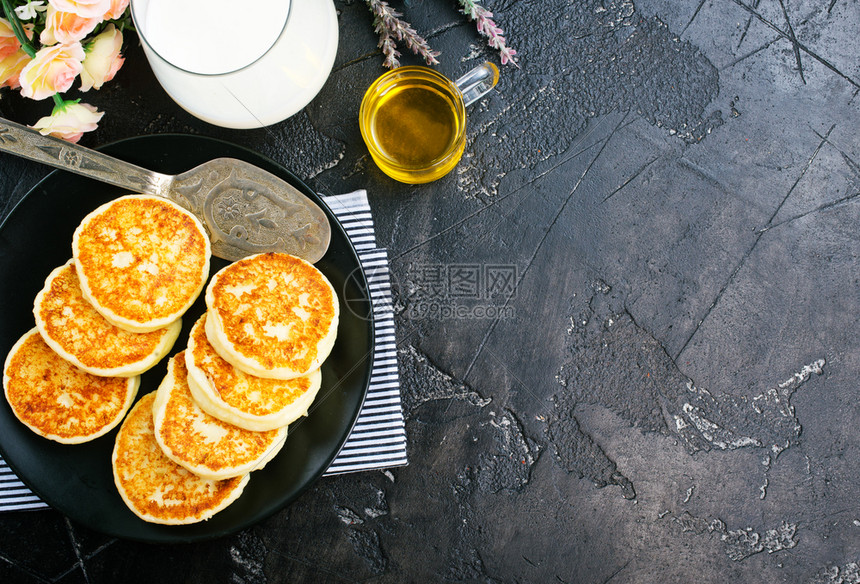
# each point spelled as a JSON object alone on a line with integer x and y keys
{"x": 236, "y": 64}
{"x": 214, "y": 36}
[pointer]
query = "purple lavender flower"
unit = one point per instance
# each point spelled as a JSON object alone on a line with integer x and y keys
{"x": 388, "y": 26}
{"x": 488, "y": 28}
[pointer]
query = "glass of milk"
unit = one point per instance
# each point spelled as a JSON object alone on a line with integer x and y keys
{"x": 239, "y": 64}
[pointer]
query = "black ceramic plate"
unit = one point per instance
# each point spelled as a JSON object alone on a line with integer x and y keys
{"x": 77, "y": 479}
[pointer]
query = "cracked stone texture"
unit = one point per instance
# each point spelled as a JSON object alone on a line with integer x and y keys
{"x": 668, "y": 390}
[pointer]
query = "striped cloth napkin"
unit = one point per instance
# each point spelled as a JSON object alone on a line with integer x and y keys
{"x": 378, "y": 439}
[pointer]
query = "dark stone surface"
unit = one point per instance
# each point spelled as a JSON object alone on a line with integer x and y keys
{"x": 668, "y": 389}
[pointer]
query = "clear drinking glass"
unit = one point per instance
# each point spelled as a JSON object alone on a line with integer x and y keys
{"x": 239, "y": 64}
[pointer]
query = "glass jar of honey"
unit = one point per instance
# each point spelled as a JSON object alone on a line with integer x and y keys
{"x": 413, "y": 120}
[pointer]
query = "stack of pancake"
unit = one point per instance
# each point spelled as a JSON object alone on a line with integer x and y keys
{"x": 251, "y": 366}
{"x": 106, "y": 316}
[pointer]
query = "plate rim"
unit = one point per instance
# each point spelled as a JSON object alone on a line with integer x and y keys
{"x": 179, "y": 535}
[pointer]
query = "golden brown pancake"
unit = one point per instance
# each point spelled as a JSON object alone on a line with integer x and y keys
{"x": 57, "y": 400}
{"x": 204, "y": 445}
{"x": 272, "y": 315}
{"x": 78, "y": 333}
{"x": 141, "y": 260}
{"x": 247, "y": 401}
{"x": 154, "y": 487}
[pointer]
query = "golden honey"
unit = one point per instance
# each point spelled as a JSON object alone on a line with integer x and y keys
{"x": 413, "y": 122}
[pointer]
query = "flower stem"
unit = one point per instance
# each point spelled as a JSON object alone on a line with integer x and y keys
{"x": 18, "y": 29}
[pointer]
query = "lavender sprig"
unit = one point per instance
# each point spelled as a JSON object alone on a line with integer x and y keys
{"x": 387, "y": 24}
{"x": 389, "y": 49}
{"x": 488, "y": 28}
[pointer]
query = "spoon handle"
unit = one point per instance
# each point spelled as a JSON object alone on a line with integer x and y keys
{"x": 27, "y": 143}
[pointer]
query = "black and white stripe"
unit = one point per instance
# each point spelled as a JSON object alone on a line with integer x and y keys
{"x": 14, "y": 495}
{"x": 378, "y": 439}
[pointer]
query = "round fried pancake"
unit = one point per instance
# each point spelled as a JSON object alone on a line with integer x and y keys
{"x": 272, "y": 315}
{"x": 204, "y": 445}
{"x": 78, "y": 333}
{"x": 141, "y": 260}
{"x": 154, "y": 487}
{"x": 247, "y": 401}
{"x": 57, "y": 400}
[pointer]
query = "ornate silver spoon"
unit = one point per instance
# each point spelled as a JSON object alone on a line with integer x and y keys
{"x": 246, "y": 209}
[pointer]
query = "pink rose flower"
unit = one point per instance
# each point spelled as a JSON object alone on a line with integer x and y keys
{"x": 10, "y": 69}
{"x": 83, "y": 8}
{"x": 53, "y": 70}
{"x": 117, "y": 8}
{"x": 8, "y": 41}
{"x": 103, "y": 59}
{"x": 66, "y": 27}
{"x": 69, "y": 121}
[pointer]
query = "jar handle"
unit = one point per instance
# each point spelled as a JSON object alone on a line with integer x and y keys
{"x": 478, "y": 82}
